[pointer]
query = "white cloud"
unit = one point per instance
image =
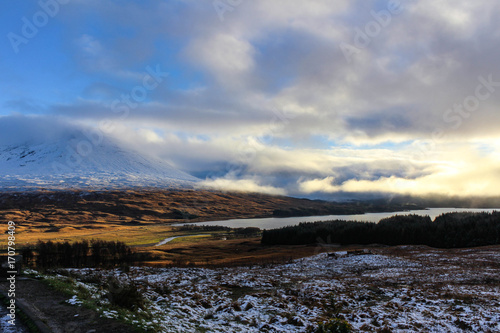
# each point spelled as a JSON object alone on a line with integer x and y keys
{"x": 226, "y": 56}
{"x": 241, "y": 185}
{"x": 150, "y": 136}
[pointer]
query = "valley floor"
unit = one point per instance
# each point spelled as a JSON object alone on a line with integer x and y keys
{"x": 397, "y": 289}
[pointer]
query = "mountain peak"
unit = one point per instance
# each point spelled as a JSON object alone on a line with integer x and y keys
{"x": 82, "y": 158}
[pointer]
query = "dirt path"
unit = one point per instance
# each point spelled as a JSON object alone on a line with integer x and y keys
{"x": 50, "y": 307}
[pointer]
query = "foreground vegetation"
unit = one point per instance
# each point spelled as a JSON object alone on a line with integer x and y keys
{"x": 452, "y": 230}
{"x": 391, "y": 289}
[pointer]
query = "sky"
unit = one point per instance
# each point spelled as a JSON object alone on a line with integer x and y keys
{"x": 317, "y": 98}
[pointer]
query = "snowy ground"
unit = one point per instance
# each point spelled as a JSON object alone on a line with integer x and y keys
{"x": 407, "y": 289}
{"x": 6, "y": 326}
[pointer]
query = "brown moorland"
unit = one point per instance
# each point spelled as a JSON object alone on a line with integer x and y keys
{"x": 143, "y": 218}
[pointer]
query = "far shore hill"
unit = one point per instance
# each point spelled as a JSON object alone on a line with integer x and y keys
{"x": 135, "y": 206}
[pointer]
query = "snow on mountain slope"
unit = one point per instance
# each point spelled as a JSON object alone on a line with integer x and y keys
{"x": 76, "y": 160}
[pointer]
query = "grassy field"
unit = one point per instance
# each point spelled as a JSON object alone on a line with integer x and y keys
{"x": 131, "y": 235}
{"x": 203, "y": 248}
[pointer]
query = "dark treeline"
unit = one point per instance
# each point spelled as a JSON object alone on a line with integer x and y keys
{"x": 247, "y": 231}
{"x": 237, "y": 231}
{"x": 187, "y": 227}
{"x": 450, "y": 230}
{"x": 96, "y": 253}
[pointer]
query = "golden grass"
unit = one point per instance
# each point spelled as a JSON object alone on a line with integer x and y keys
{"x": 143, "y": 218}
{"x": 131, "y": 235}
{"x": 200, "y": 249}
{"x": 191, "y": 239}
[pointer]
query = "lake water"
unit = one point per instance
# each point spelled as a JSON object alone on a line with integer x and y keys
{"x": 278, "y": 222}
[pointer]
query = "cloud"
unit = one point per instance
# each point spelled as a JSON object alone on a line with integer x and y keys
{"x": 240, "y": 164}
{"x": 477, "y": 177}
{"x": 241, "y": 185}
{"x": 20, "y": 129}
{"x": 228, "y": 58}
{"x": 286, "y": 54}
{"x": 267, "y": 96}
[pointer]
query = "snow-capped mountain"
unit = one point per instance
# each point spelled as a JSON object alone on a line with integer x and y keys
{"x": 75, "y": 159}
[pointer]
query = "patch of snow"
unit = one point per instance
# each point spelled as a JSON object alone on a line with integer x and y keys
{"x": 74, "y": 301}
{"x": 369, "y": 291}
